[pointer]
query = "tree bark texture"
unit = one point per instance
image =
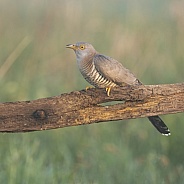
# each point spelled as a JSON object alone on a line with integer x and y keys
{"x": 86, "y": 107}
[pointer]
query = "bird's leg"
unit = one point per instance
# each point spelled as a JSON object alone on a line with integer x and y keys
{"x": 89, "y": 87}
{"x": 108, "y": 89}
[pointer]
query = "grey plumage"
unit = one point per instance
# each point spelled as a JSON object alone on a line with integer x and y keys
{"x": 105, "y": 72}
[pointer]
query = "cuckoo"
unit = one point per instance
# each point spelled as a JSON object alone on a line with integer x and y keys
{"x": 105, "y": 72}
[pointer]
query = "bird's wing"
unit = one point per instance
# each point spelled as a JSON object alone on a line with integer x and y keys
{"x": 114, "y": 70}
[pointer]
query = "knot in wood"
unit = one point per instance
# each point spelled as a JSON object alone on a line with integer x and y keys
{"x": 40, "y": 114}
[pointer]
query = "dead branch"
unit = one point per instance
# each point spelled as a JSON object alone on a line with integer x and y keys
{"x": 86, "y": 107}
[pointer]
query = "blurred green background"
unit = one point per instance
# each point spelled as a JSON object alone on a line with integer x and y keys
{"x": 146, "y": 36}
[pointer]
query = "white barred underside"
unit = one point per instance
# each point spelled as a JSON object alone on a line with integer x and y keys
{"x": 91, "y": 75}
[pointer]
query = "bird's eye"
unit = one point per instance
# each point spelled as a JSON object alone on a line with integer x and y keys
{"x": 82, "y": 47}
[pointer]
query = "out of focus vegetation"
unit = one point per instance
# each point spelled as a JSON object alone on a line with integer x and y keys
{"x": 146, "y": 36}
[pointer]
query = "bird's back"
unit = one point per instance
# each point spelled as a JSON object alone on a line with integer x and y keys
{"x": 114, "y": 71}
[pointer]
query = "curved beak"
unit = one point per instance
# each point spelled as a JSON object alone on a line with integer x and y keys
{"x": 71, "y": 46}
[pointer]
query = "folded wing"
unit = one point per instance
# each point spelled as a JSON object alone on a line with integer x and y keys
{"x": 114, "y": 70}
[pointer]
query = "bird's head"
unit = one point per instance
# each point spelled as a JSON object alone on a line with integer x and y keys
{"x": 82, "y": 50}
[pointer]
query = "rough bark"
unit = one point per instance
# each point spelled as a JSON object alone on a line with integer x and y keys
{"x": 86, "y": 107}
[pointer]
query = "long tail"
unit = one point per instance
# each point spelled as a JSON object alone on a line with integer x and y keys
{"x": 157, "y": 121}
{"x": 159, "y": 125}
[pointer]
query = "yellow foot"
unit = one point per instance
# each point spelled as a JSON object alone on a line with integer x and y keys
{"x": 108, "y": 91}
{"x": 89, "y": 87}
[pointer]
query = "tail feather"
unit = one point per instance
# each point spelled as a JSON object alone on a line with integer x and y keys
{"x": 159, "y": 125}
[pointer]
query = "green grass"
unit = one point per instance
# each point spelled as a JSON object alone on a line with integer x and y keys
{"x": 146, "y": 36}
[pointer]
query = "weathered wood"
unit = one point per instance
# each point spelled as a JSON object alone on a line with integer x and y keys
{"x": 81, "y": 107}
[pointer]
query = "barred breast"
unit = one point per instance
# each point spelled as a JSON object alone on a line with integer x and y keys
{"x": 94, "y": 77}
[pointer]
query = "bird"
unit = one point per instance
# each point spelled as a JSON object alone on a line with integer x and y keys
{"x": 102, "y": 71}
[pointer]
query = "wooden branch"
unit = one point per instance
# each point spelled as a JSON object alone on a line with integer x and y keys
{"x": 81, "y": 107}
